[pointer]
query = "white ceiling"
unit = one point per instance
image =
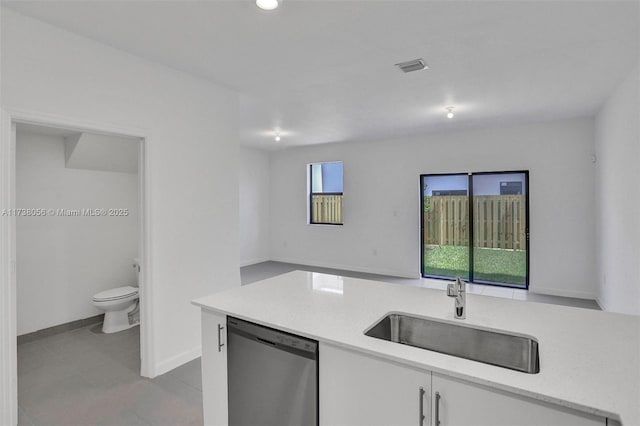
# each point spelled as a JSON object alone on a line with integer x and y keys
{"x": 323, "y": 71}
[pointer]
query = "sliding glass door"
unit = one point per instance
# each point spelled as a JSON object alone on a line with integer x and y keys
{"x": 475, "y": 226}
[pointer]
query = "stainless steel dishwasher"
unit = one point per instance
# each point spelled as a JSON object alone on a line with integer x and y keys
{"x": 273, "y": 376}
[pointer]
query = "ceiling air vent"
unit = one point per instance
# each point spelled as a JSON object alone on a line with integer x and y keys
{"x": 414, "y": 65}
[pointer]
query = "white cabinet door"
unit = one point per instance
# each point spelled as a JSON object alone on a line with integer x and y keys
{"x": 356, "y": 389}
{"x": 466, "y": 404}
{"x": 214, "y": 369}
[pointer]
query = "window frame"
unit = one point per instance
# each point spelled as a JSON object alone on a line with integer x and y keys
{"x": 311, "y": 193}
{"x": 470, "y": 195}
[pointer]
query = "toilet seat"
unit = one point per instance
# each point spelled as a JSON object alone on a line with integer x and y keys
{"x": 114, "y": 294}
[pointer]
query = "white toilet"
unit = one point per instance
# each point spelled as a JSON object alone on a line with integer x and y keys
{"x": 117, "y": 303}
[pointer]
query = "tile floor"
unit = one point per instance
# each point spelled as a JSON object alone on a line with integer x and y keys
{"x": 83, "y": 377}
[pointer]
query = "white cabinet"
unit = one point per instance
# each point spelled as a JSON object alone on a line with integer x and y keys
{"x": 214, "y": 368}
{"x": 462, "y": 403}
{"x": 356, "y": 389}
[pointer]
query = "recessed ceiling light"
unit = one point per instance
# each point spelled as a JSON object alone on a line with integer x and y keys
{"x": 414, "y": 65}
{"x": 267, "y": 4}
{"x": 278, "y": 138}
{"x": 450, "y": 111}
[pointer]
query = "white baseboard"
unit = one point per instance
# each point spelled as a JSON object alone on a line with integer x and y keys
{"x": 562, "y": 293}
{"x": 176, "y": 361}
{"x": 367, "y": 270}
{"x": 253, "y": 261}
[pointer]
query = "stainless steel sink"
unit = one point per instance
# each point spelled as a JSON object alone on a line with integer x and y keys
{"x": 491, "y": 347}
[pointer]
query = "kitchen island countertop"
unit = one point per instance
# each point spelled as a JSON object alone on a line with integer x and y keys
{"x": 589, "y": 360}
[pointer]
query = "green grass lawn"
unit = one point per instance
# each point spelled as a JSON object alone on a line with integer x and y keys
{"x": 497, "y": 265}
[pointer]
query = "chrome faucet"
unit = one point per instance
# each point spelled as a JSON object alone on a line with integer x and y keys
{"x": 458, "y": 291}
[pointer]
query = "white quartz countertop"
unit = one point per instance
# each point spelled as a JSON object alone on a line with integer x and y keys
{"x": 589, "y": 360}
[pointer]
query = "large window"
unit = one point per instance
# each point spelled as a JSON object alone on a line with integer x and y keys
{"x": 475, "y": 226}
{"x": 325, "y": 193}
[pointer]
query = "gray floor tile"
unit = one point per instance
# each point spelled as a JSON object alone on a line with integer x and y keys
{"x": 109, "y": 375}
{"x": 51, "y": 398}
{"x": 31, "y": 356}
{"x": 168, "y": 401}
{"x": 32, "y": 381}
{"x": 264, "y": 270}
{"x": 127, "y": 360}
{"x": 109, "y": 409}
{"x": 190, "y": 373}
{"x": 84, "y": 377}
{"x": 23, "y": 418}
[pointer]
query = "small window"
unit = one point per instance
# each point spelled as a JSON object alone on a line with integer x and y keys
{"x": 325, "y": 193}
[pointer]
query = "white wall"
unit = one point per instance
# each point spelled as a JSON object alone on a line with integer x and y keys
{"x": 381, "y": 200}
{"x": 254, "y": 190}
{"x": 618, "y": 199}
{"x": 192, "y": 154}
{"x": 63, "y": 261}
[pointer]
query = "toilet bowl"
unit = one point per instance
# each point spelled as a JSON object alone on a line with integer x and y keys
{"x": 116, "y": 304}
{"x": 120, "y": 305}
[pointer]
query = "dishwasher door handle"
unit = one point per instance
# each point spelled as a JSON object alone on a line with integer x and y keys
{"x": 220, "y": 344}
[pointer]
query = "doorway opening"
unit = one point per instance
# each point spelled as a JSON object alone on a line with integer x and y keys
{"x": 36, "y": 208}
{"x": 77, "y": 219}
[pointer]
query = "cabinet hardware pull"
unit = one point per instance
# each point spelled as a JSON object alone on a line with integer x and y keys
{"x": 421, "y": 416}
{"x": 220, "y": 344}
{"x": 437, "y": 410}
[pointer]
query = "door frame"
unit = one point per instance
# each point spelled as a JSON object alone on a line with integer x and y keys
{"x": 9, "y": 117}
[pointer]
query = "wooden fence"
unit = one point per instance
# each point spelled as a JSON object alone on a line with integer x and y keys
{"x": 499, "y": 221}
{"x": 326, "y": 208}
